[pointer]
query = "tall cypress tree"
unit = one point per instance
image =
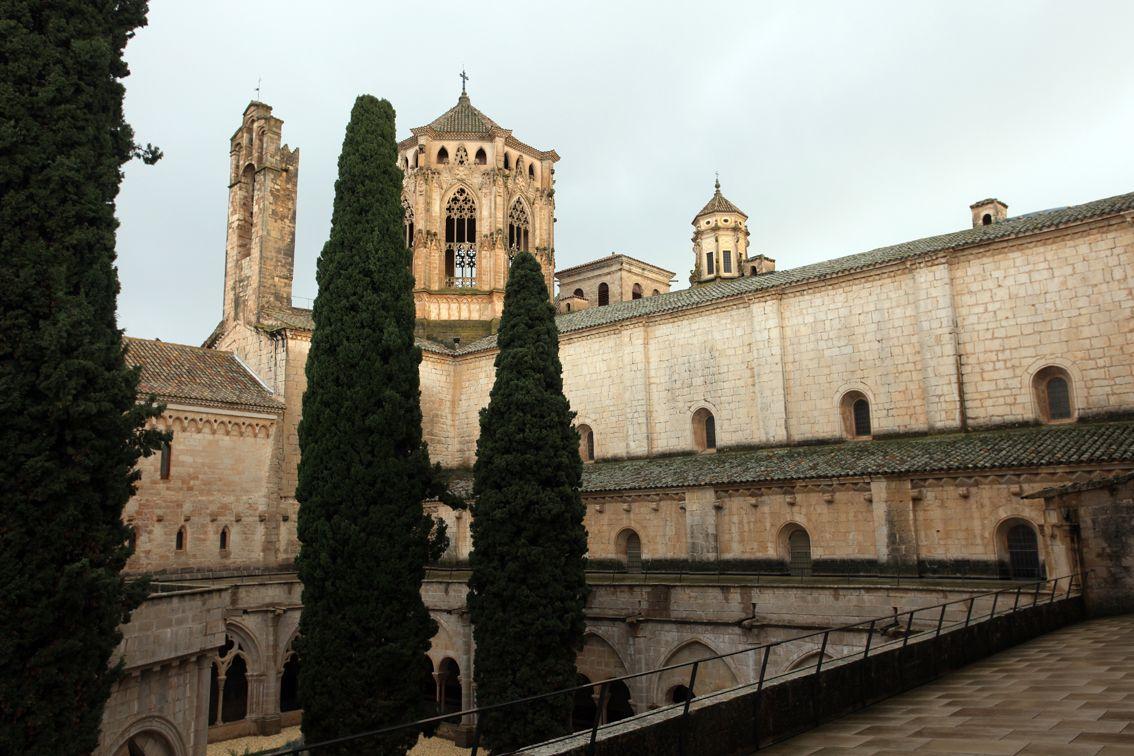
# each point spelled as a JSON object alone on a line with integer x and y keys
{"x": 364, "y": 470}
{"x": 528, "y": 586}
{"x": 70, "y": 429}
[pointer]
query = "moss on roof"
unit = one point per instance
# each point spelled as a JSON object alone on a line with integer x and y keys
{"x": 195, "y": 375}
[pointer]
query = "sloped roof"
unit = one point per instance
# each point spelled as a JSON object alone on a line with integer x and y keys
{"x": 194, "y": 375}
{"x": 463, "y": 118}
{"x": 1045, "y": 446}
{"x": 718, "y": 204}
{"x": 1092, "y": 484}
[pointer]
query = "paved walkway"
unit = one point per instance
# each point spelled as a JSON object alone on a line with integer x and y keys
{"x": 1068, "y": 692}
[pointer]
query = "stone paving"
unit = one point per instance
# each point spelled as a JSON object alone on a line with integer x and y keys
{"x": 1068, "y": 692}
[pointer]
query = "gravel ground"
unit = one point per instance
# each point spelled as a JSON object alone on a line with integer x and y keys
{"x": 254, "y": 743}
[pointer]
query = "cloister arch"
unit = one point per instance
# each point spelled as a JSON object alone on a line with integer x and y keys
{"x": 712, "y": 676}
{"x": 150, "y": 735}
{"x": 1018, "y": 548}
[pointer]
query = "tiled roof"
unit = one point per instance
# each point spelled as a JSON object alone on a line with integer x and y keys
{"x": 979, "y": 451}
{"x": 299, "y": 318}
{"x": 612, "y": 257}
{"x": 718, "y": 204}
{"x": 1080, "y": 486}
{"x": 463, "y": 118}
{"x": 194, "y": 375}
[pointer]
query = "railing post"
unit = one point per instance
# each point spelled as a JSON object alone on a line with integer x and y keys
{"x": 969, "y": 613}
{"x": 822, "y": 650}
{"x": 1035, "y": 596}
{"x": 940, "y": 621}
{"x": 757, "y": 698}
{"x": 995, "y": 596}
{"x": 1016, "y": 604}
{"x": 1070, "y": 584}
{"x": 763, "y": 669}
{"x": 869, "y": 637}
{"x": 1054, "y": 583}
{"x": 476, "y": 736}
{"x": 598, "y": 716}
{"x": 685, "y": 710}
{"x": 909, "y": 624}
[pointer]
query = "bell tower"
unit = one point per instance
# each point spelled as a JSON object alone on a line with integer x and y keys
{"x": 720, "y": 240}
{"x": 473, "y": 196}
{"x": 260, "y": 246}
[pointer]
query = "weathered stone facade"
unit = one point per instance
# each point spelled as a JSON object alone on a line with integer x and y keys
{"x": 885, "y": 413}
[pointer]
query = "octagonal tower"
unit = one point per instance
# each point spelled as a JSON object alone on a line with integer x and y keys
{"x": 473, "y": 195}
{"x": 720, "y": 240}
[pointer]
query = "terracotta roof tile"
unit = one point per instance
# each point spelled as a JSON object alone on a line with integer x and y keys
{"x": 194, "y": 375}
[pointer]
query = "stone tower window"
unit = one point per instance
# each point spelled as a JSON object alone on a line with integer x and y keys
{"x": 986, "y": 219}
{"x": 407, "y": 221}
{"x": 855, "y": 410}
{"x": 507, "y": 162}
{"x": 579, "y": 293}
{"x": 726, "y": 261}
{"x": 166, "y": 459}
{"x": 531, "y": 171}
{"x": 244, "y": 219}
{"x": 481, "y": 157}
{"x": 442, "y": 156}
{"x": 179, "y": 541}
{"x": 603, "y": 294}
{"x": 461, "y": 157}
{"x": 460, "y": 240}
{"x": 710, "y": 264}
{"x": 654, "y": 293}
{"x": 224, "y": 539}
{"x": 1054, "y": 398}
{"x": 518, "y": 229}
{"x": 586, "y": 443}
{"x": 799, "y": 552}
{"x": 636, "y": 292}
{"x": 704, "y": 430}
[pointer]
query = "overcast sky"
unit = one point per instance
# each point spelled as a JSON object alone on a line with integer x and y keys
{"x": 838, "y": 127}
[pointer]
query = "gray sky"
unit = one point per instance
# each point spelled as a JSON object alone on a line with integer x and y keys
{"x": 838, "y": 127}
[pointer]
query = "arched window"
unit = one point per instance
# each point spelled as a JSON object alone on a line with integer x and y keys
{"x": 460, "y": 240}
{"x": 407, "y": 222}
{"x": 679, "y": 694}
{"x": 586, "y": 443}
{"x": 568, "y": 307}
{"x": 166, "y": 461}
{"x": 507, "y": 162}
{"x": 585, "y": 709}
{"x": 519, "y": 164}
{"x": 481, "y": 157}
{"x": 630, "y": 548}
{"x": 579, "y": 293}
{"x": 1018, "y": 550}
{"x": 654, "y": 293}
{"x": 603, "y": 294}
{"x": 451, "y": 693}
{"x": 636, "y": 292}
{"x": 799, "y": 552}
{"x": 224, "y": 538}
{"x": 531, "y": 171}
{"x": 704, "y": 430}
{"x": 986, "y": 220}
{"x": 518, "y": 228}
{"x": 228, "y": 689}
{"x": 289, "y": 683}
{"x": 244, "y": 225}
{"x": 855, "y": 410}
{"x": 442, "y": 156}
{"x": 461, "y": 157}
{"x": 1054, "y": 398}
{"x": 413, "y": 161}
{"x": 179, "y": 543}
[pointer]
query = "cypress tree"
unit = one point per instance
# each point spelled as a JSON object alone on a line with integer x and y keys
{"x": 70, "y": 429}
{"x": 364, "y": 470}
{"x": 528, "y": 586}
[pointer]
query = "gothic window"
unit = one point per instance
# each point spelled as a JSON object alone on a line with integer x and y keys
{"x": 586, "y": 443}
{"x": 519, "y": 164}
{"x": 179, "y": 542}
{"x": 246, "y": 194}
{"x": 636, "y": 292}
{"x": 507, "y": 162}
{"x": 481, "y": 157}
{"x": 224, "y": 539}
{"x": 531, "y": 171}
{"x": 710, "y": 264}
{"x": 1052, "y": 387}
{"x": 518, "y": 229}
{"x": 407, "y": 222}
{"x": 414, "y": 162}
{"x": 165, "y": 459}
{"x": 460, "y": 240}
{"x": 855, "y": 410}
{"x": 228, "y": 689}
{"x": 461, "y": 157}
{"x": 289, "y": 682}
{"x": 603, "y": 294}
{"x": 442, "y": 156}
{"x": 799, "y": 552}
{"x": 726, "y": 260}
{"x": 704, "y": 430}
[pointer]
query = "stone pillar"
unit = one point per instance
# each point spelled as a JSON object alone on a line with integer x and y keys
{"x": 895, "y": 535}
{"x": 199, "y": 734}
{"x": 701, "y": 523}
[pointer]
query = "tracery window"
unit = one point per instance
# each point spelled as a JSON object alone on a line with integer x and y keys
{"x": 461, "y": 157}
{"x": 460, "y": 240}
{"x": 228, "y": 684}
{"x": 518, "y": 228}
{"x": 407, "y": 220}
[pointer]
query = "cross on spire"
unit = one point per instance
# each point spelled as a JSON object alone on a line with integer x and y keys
{"x": 258, "y": 80}
{"x": 718, "y": 181}
{"x": 464, "y": 79}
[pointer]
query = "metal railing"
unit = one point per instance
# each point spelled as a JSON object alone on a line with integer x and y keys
{"x": 896, "y": 629}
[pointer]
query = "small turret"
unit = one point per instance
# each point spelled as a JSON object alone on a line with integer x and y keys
{"x": 720, "y": 240}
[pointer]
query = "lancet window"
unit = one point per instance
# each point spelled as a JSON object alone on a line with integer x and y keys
{"x": 461, "y": 157}
{"x": 460, "y": 240}
{"x": 518, "y": 229}
{"x": 407, "y": 221}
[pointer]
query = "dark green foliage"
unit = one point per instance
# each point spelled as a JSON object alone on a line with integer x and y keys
{"x": 364, "y": 470}
{"x": 70, "y": 431}
{"x": 528, "y": 585}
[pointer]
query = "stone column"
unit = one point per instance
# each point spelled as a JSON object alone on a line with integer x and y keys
{"x": 199, "y": 734}
{"x": 895, "y": 535}
{"x": 701, "y": 523}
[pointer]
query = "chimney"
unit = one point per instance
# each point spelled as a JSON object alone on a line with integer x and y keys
{"x": 988, "y": 211}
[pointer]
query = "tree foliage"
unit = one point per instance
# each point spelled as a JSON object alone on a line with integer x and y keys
{"x": 364, "y": 469}
{"x": 71, "y": 432}
{"x": 528, "y": 586}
